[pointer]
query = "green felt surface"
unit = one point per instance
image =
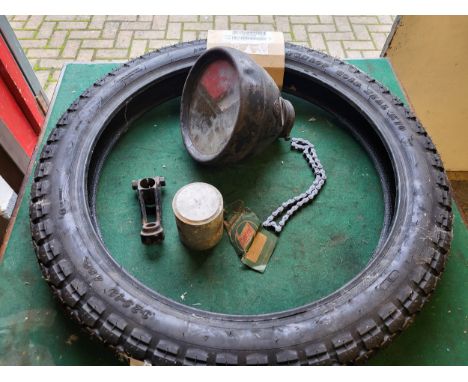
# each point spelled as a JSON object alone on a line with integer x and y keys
{"x": 320, "y": 249}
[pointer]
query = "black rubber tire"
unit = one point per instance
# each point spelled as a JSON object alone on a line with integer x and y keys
{"x": 343, "y": 328}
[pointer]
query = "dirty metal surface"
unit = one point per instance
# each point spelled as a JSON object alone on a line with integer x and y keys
{"x": 148, "y": 192}
{"x": 34, "y": 330}
{"x": 198, "y": 211}
{"x": 231, "y": 108}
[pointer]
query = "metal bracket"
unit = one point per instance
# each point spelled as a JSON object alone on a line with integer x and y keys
{"x": 149, "y": 196}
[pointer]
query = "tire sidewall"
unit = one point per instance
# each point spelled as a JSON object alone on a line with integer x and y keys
{"x": 324, "y": 323}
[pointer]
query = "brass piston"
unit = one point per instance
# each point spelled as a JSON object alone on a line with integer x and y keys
{"x": 198, "y": 210}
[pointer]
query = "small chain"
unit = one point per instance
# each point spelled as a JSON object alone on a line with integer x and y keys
{"x": 293, "y": 205}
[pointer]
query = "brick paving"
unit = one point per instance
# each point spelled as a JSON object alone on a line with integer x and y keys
{"x": 51, "y": 41}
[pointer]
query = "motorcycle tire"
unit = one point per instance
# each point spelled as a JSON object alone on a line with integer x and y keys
{"x": 345, "y": 327}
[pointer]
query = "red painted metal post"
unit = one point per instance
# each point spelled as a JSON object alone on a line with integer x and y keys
{"x": 19, "y": 110}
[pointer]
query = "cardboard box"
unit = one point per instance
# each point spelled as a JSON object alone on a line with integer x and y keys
{"x": 266, "y": 48}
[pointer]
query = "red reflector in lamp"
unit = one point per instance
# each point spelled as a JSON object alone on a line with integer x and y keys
{"x": 231, "y": 108}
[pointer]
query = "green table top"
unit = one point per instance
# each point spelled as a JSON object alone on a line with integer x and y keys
{"x": 322, "y": 247}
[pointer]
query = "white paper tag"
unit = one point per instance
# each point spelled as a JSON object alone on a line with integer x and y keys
{"x": 265, "y": 47}
{"x": 252, "y": 42}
